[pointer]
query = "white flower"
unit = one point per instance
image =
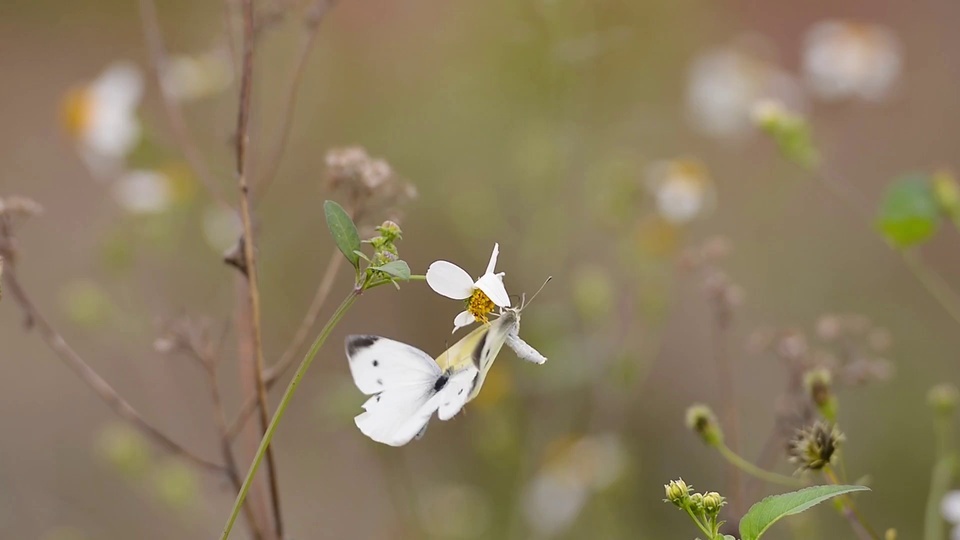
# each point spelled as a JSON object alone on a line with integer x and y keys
{"x": 222, "y": 228}
{"x": 950, "y": 510}
{"x": 724, "y": 84}
{"x": 564, "y": 485}
{"x": 846, "y": 60}
{"x": 143, "y": 192}
{"x": 101, "y": 116}
{"x": 189, "y": 78}
{"x": 482, "y": 295}
{"x": 681, "y": 188}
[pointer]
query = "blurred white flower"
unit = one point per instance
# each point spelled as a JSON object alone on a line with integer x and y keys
{"x": 844, "y": 60}
{"x": 143, "y": 192}
{"x": 950, "y": 509}
{"x": 565, "y": 483}
{"x": 101, "y": 116}
{"x": 723, "y": 85}
{"x": 189, "y": 78}
{"x": 221, "y": 228}
{"x": 481, "y": 296}
{"x": 681, "y": 188}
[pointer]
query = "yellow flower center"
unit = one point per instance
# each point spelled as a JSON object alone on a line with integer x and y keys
{"x": 77, "y": 111}
{"x": 479, "y": 305}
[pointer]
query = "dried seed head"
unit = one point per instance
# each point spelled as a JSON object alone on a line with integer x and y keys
{"x": 813, "y": 447}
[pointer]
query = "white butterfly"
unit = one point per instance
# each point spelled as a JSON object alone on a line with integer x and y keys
{"x": 407, "y": 386}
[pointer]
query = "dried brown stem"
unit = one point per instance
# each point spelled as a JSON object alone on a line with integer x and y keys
{"x": 315, "y": 16}
{"x": 274, "y": 372}
{"x": 242, "y": 140}
{"x": 74, "y": 361}
{"x": 175, "y": 117}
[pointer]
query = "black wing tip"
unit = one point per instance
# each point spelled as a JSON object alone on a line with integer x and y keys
{"x": 355, "y": 342}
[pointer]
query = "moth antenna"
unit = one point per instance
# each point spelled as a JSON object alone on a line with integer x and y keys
{"x": 526, "y": 303}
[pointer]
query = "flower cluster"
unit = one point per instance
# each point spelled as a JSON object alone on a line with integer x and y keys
{"x": 703, "y": 508}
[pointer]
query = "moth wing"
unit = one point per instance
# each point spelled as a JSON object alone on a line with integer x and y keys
{"x": 379, "y": 364}
{"x": 456, "y": 392}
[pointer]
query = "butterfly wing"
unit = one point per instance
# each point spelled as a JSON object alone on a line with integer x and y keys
{"x": 456, "y": 392}
{"x": 402, "y": 379}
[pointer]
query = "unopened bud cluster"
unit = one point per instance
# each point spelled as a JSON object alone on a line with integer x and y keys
{"x": 703, "y": 507}
{"x": 384, "y": 244}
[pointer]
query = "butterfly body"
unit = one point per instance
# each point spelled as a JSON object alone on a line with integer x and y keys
{"x": 407, "y": 386}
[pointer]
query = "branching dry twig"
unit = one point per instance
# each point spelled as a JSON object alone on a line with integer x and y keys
{"x": 250, "y": 266}
{"x": 314, "y": 17}
{"x": 74, "y": 361}
{"x": 178, "y": 124}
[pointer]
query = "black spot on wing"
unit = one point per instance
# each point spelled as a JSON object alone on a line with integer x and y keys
{"x": 441, "y": 382}
{"x": 375, "y": 363}
{"x": 477, "y": 353}
{"x": 380, "y": 382}
{"x": 355, "y": 343}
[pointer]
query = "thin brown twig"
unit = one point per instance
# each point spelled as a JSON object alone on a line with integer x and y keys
{"x": 87, "y": 374}
{"x": 274, "y": 372}
{"x": 242, "y": 140}
{"x": 315, "y": 16}
{"x": 175, "y": 117}
{"x": 210, "y": 363}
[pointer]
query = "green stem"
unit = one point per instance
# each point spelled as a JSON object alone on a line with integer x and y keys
{"x": 941, "y": 478}
{"x": 282, "y": 407}
{"x": 854, "y": 514}
{"x": 700, "y": 525}
{"x": 734, "y": 459}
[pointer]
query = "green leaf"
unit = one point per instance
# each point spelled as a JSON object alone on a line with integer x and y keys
{"x": 343, "y": 230}
{"x": 397, "y": 269}
{"x": 768, "y": 511}
{"x": 909, "y": 213}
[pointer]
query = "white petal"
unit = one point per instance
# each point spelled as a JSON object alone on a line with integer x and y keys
{"x": 492, "y": 286}
{"x": 950, "y": 507}
{"x": 465, "y": 318}
{"x": 493, "y": 259}
{"x": 449, "y": 280}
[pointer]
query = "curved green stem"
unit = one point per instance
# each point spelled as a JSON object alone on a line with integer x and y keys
{"x": 699, "y": 524}
{"x": 767, "y": 476}
{"x": 282, "y": 407}
{"x": 944, "y": 470}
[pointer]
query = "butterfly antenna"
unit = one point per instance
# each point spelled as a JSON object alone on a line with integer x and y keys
{"x": 525, "y": 302}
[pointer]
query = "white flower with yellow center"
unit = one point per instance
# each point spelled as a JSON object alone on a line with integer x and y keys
{"x": 144, "y": 192}
{"x": 101, "y": 116}
{"x": 681, "y": 189}
{"x": 481, "y": 296}
{"x": 844, "y": 60}
{"x": 724, "y": 83}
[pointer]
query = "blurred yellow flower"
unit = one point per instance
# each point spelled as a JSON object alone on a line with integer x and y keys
{"x": 843, "y": 60}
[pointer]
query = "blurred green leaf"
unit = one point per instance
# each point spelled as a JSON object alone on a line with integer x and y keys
{"x": 397, "y": 269}
{"x": 909, "y": 214}
{"x": 770, "y": 510}
{"x": 343, "y": 230}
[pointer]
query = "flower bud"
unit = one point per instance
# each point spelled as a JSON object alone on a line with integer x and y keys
{"x": 943, "y": 398}
{"x": 790, "y": 131}
{"x": 702, "y": 420}
{"x": 696, "y": 503}
{"x": 390, "y": 231}
{"x": 818, "y": 385}
{"x": 712, "y": 502}
{"x": 678, "y": 492}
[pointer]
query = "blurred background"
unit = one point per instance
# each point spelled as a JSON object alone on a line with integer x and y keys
{"x": 607, "y": 143}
